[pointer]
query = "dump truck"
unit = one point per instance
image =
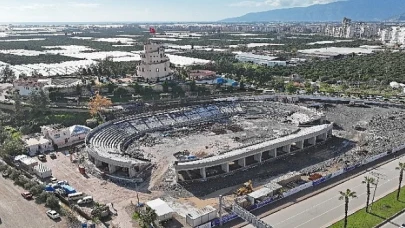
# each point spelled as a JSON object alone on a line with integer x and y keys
{"x": 245, "y": 189}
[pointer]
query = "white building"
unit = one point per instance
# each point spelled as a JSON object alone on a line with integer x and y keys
{"x": 37, "y": 144}
{"x": 42, "y": 171}
{"x": 26, "y": 86}
{"x": 393, "y": 35}
{"x": 260, "y": 59}
{"x": 65, "y": 136}
{"x": 154, "y": 62}
{"x": 163, "y": 210}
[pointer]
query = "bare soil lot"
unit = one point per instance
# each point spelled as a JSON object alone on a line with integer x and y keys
{"x": 15, "y": 211}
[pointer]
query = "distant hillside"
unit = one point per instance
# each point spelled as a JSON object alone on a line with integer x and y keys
{"x": 399, "y": 18}
{"x": 357, "y": 10}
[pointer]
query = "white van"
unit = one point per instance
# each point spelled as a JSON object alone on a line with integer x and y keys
{"x": 75, "y": 196}
{"x": 87, "y": 199}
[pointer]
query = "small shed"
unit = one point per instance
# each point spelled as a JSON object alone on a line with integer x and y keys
{"x": 202, "y": 216}
{"x": 163, "y": 210}
{"x": 28, "y": 163}
{"x": 42, "y": 171}
{"x": 262, "y": 194}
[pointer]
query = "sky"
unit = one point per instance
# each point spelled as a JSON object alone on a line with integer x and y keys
{"x": 137, "y": 10}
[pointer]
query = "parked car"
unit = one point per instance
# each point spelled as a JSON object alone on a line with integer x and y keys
{"x": 54, "y": 180}
{"x": 87, "y": 199}
{"x": 52, "y": 155}
{"x": 26, "y": 195}
{"x": 402, "y": 226}
{"x": 52, "y": 214}
{"x": 42, "y": 157}
{"x": 63, "y": 182}
{"x": 5, "y": 173}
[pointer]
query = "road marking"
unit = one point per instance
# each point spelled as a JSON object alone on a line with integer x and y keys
{"x": 340, "y": 205}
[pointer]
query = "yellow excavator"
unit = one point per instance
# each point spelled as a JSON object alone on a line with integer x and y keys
{"x": 245, "y": 189}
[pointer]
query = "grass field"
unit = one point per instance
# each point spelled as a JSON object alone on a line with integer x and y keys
{"x": 382, "y": 210}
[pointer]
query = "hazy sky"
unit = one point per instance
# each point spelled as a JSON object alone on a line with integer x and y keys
{"x": 136, "y": 10}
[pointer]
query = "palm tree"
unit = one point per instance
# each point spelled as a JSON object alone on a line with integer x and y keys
{"x": 368, "y": 181}
{"x": 401, "y": 168}
{"x": 346, "y": 197}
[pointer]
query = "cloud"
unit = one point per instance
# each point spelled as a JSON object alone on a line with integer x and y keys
{"x": 84, "y": 5}
{"x": 276, "y": 4}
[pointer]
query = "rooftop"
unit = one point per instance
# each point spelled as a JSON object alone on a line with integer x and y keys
{"x": 198, "y": 213}
{"x": 160, "y": 207}
{"x": 35, "y": 140}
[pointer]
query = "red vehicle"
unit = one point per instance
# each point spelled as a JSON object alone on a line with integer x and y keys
{"x": 26, "y": 195}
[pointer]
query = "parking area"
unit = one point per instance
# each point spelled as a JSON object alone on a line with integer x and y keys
{"x": 102, "y": 191}
{"x": 15, "y": 211}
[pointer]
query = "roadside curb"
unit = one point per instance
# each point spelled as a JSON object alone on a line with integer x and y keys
{"x": 390, "y": 219}
{"x": 321, "y": 190}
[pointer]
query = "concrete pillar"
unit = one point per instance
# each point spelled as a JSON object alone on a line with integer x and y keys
{"x": 273, "y": 153}
{"x": 203, "y": 173}
{"x": 225, "y": 167}
{"x": 258, "y": 157}
{"x": 287, "y": 148}
{"x": 112, "y": 168}
{"x": 242, "y": 162}
{"x": 300, "y": 144}
{"x": 98, "y": 163}
{"x": 325, "y": 136}
{"x": 132, "y": 172}
{"x": 312, "y": 141}
{"x": 330, "y": 132}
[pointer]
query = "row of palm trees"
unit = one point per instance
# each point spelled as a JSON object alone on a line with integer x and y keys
{"x": 369, "y": 182}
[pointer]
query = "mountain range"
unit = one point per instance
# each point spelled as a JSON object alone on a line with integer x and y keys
{"x": 357, "y": 10}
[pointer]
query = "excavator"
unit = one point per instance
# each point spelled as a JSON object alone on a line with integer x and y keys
{"x": 245, "y": 189}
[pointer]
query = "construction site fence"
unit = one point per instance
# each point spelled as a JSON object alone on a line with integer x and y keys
{"x": 229, "y": 217}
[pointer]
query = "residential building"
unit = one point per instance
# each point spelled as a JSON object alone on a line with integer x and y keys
{"x": 65, "y": 136}
{"x": 154, "y": 63}
{"x": 202, "y": 74}
{"x": 26, "y": 86}
{"x": 37, "y": 144}
{"x": 260, "y": 59}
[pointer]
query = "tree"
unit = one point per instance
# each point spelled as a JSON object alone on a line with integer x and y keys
{"x": 12, "y": 147}
{"x": 39, "y": 104}
{"x": 346, "y": 196}
{"x": 97, "y": 103}
{"x": 52, "y": 202}
{"x": 401, "y": 168}
{"x": 7, "y": 74}
{"x": 290, "y": 88}
{"x": 165, "y": 86}
{"x": 193, "y": 86}
{"x": 147, "y": 217}
{"x": 368, "y": 181}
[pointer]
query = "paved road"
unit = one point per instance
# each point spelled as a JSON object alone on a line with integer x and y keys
{"x": 395, "y": 223}
{"x": 325, "y": 208}
{"x": 15, "y": 211}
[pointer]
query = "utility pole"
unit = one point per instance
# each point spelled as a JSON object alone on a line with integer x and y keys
{"x": 220, "y": 210}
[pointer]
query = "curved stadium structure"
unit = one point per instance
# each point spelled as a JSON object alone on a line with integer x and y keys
{"x": 280, "y": 129}
{"x": 108, "y": 143}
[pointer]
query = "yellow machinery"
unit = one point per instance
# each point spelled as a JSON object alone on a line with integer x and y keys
{"x": 245, "y": 189}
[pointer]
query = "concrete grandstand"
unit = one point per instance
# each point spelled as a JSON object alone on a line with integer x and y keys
{"x": 107, "y": 144}
{"x": 217, "y": 138}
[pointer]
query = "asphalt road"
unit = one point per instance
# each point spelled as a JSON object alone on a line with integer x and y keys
{"x": 325, "y": 208}
{"x": 15, "y": 211}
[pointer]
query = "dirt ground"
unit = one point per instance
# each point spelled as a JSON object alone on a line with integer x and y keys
{"x": 101, "y": 190}
{"x": 15, "y": 211}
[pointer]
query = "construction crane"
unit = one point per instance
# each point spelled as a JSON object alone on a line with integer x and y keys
{"x": 245, "y": 189}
